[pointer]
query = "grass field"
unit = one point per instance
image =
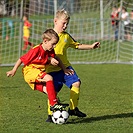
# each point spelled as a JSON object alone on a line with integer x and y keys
{"x": 106, "y": 97}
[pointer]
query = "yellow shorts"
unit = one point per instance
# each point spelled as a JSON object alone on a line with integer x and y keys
{"x": 26, "y": 33}
{"x": 31, "y": 76}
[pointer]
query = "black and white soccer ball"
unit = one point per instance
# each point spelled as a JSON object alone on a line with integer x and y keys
{"x": 60, "y": 117}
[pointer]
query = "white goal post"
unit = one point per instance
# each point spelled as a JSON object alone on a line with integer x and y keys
{"x": 90, "y": 22}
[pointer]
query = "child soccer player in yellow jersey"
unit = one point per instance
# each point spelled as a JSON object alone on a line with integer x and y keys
{"x": 61, "y": 21}
{"x": 35, "y": 61}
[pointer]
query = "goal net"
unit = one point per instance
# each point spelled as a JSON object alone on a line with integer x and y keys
{"x": 90, "y": 22}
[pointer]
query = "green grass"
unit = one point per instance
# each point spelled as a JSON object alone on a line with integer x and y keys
{"x": 106, "y": 97}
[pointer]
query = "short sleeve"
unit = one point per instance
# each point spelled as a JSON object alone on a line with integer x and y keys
{"x": 72, "y": 43}
{"x": 28, "y": 24}
{"x": 29, "y": 57}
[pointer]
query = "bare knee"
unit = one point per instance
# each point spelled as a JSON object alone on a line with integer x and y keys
{"x": 76, "y": 84}
{"x": 48, "y": 78}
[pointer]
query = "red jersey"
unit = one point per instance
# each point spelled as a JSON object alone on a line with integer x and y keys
{"x": 27, "y": 24}
{"x": 37, "y": 56}
{"x": 113, "y": 16}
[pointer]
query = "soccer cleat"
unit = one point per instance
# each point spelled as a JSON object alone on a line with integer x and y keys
{"x": 76, "y": 112}
{"x": 49, "y": 119}
{"x": 58, "y": 107}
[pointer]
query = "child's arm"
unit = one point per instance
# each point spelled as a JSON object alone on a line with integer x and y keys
{"x": 53, "y": 61}
{"x": 61, "y": 65}
{"x": 87, "y": 47}
{"x": 57, "y": 61}
{"x": 13, "y": 71}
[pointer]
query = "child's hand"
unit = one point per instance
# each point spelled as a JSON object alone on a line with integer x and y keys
{"x": 95, "y": 45}
{"x": 10, "y": 73}
{"x": 68, "y": 71}
{"x": 54, "y": 62}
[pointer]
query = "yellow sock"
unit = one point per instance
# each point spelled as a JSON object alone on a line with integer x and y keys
{"x": 49, "y": 111}
{"x": 74, "y": 97}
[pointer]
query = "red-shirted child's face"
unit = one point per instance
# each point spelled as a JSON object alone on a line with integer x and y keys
{"x": 60, "y": 24}
{"x": 49, "y": 44}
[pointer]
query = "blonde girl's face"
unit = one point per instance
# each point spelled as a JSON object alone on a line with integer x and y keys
{"x": 61, "y": 24}
{"x": 50, "y": 44}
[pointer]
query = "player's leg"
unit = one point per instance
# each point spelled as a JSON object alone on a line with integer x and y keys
{"x": 74, "y": 95}
{"x": 73, "y": 82}
{"x": 25, "y": 39}
{"x": 37, "y": 80}
{"x": 49, "y": 119}
{"x": 50, "y": 90}
{"x": 29, "y": 43}
{"x": 74, "y": 98}
{"x": 57, "y": 89}
{"x": 116, "y": 33}
{"x": 26, "y": 43}
{"x": 58, "y": 83}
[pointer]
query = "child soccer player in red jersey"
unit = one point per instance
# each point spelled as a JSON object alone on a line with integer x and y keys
{"x": 35, "y": 61}
{"x": 73, "y": 82}
{"x": 26, "y": 33}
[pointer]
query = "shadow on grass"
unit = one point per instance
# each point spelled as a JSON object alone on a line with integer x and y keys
{"x": 99, "y": 118}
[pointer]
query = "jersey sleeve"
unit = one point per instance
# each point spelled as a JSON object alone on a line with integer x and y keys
{"x": 29, "y": 57}
{"x": 28, "y": 24}
{"x": 72, "y": 42}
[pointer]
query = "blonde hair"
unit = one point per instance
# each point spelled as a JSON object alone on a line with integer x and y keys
{"x": 62, "y": 14}
{"x": 49, "y": 33}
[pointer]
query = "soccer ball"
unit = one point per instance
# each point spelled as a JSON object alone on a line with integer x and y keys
{"x": 60, "y": 117}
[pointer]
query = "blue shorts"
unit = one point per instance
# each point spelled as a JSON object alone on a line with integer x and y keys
{"x": 61, "y": 78}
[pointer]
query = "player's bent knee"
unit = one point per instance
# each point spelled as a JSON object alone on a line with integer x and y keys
{"x": 48, "y": 77}
{"x": 76, "y": 84}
